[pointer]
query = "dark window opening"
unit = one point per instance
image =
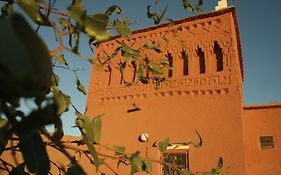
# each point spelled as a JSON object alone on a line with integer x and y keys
{"x": 135, "y": 70}
{"x": 170, "y": 59}
{"x": 109, "y": 70}
{"x": 219, "y": 56}
{"x": 147, "y": 71}
{"x": 178, "y": 159}
{"x": 266, "y": 142}
{"x": 185, "y": 62}
{"x": 110, "y": 74}
{"x": 201, "y": 56}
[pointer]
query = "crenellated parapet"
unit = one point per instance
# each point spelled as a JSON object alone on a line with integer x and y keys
{"x": 203, "y": 50}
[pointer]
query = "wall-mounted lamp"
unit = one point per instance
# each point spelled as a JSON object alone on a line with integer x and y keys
{"x": 134, "y": 109}
{"x": 143, "y": 137}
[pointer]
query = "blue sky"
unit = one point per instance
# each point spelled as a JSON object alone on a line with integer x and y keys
{"x": 260, "y": 27}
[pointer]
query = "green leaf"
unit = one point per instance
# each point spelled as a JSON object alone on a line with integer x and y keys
{"x": 128, "y": 83}
{"x": 165, "y": 62}
{"x": 5, "y": 134}
{"x": 119, "y": 150}
{"x": 159, "y": 79}
{"x": 96, "y": 26}
{"x": 78, "y": 4}
{"x": 154, "y": 16}
{"x": 19, "y": 170}
{"x": 129, "y": 53}
{"x": 185, "y": 172}
{"x": 31, "y": 8}
{"x": 40, "y": 1}
{"x": 140, "y": 71}
{"x": 154, "y": 68}
{"x": 73, "y": 169}
{"x": 144, "y": 80}
{"x": 199, "y": 144}
{"x": 141, "y": 77}
{"x": 136, "y": 163}
{"x": 77, "y": 13}
{"x": 122, "y": 67}
{"x": 58, "y": 133}
{"x": 65, "y": 23}
{"x": 121, "y": 27}
{"x": 220, "y": 164}
{"x": 187, "y": 6}
{"x": 153, "y": 46}
{"x": 25, "y": 72}
{"x": 97, "y": 129}
{"x": 199, "y": 5}
{"x": 7, "y": 9}
{"x": 62, "y": 101}
{"x": 86, "y": 127}
{"x": 80, "y": 87}
{"x": 163, "y": 144}
{"x": 113, "y": 9}
{"x": 55, "y": 80}
{"x": 34, "y": 153}
{"x": 3, "y": 122}
{"x": 61, "y": 60}
{"x": 147, "y": 166}
{"x": 96, "y": 160}
{"x": 76, "y": 38}
{"x": 37, "y": 119}
{"x": 213, "y": 171}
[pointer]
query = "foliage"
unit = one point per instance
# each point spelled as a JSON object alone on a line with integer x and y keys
{"x": 27, "y": 74}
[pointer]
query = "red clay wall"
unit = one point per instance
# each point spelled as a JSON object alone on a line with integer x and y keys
{"x": 209, "y": 103}
{"x": 264, "y": 120}
{"x": 58, "y": 159}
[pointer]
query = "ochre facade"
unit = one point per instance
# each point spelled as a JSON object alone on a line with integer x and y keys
{"x": 202, "y": 93}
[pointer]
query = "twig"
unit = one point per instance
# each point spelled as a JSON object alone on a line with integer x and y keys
{"x": 60, "y": 147}
{"x": 58, "y": 167}
{"x": 61, "y": 34}
{"x": 57, "y": 11}
{"x": 5, "y": 165}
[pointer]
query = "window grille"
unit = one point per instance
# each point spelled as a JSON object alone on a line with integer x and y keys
{"x": 267, "y": 142}
{"x": 178, "y": 159}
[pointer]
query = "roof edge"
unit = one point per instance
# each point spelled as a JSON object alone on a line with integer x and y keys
{"x": 179, "y": 21}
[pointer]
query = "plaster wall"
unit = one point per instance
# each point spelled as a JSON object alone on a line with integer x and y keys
{"x": 208, "y": 102}
{"x": 259, "y": 121}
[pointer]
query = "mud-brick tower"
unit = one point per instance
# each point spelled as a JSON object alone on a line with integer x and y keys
{"x": 203, "y": 92}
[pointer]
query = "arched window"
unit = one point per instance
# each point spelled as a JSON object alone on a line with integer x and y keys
{"x": 170, "y": 59}
{"x": 185, "y": 62}
{"x": 109, "y": 69}
{"x": 201, "y": 57}
{"x": 219, "y": 56}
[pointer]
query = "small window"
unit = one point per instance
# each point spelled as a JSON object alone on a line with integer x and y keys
{"x": 109, "y": 69}
{"x": 179, "y": 158}
{"x": 170, "y": 59}
{"x": 201, "y": 56}
{"x": 266, "y": 142}
{"x": 219, "y": 56}
{"x": 185, "y": 62}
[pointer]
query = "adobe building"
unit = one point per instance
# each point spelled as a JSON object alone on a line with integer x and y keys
{"x": 204, "y": 93}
